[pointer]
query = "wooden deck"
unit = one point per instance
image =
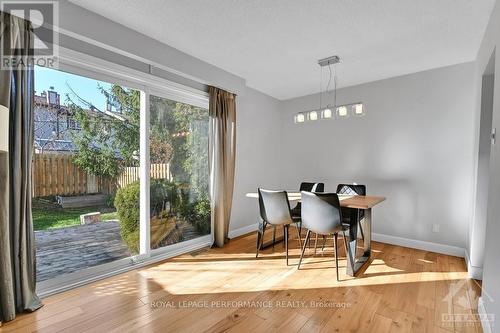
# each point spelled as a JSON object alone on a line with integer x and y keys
{"x": 228, "y": 290}
{"x": 66, "y": 250}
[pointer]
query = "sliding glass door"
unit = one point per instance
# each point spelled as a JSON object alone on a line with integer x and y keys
{"x": 179, "y": 176}
{"x": 86, "y": 138}
{"x": 120, "y": 170}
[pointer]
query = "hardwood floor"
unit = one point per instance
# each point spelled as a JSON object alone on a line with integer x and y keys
{"x": 215, "y": 290}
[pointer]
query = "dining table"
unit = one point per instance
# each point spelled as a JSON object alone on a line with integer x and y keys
{"x": 364, "y": 202}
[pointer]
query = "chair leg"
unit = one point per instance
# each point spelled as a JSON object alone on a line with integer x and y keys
{"x": 260, "y": 238}
{"x": 324, "y": 242}
{"x": 298, "y": 234}
{"x": 274, "y": 236}
{"x": 304, "y": 248}
{"x": 336, "y": 254}
{"x": 345, "y": 244}
{"x": 315, "y": 244}
{"x": 285, "y": 231}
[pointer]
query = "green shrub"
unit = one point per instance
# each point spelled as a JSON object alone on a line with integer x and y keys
{"x": 110, "y": 200}
{"x": 162, "y": 190}
{"x": 127, "y": 206}
{"x": 185, "y": 209}
{"x": 202, "y": 214}
{"x": 197, "y": 212}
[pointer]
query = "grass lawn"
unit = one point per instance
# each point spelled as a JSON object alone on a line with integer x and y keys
{"x": 48, "y": 216}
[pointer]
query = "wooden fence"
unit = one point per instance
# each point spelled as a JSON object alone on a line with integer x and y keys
{"x": 131, "y": 174}
{"x": 55, "y": 174}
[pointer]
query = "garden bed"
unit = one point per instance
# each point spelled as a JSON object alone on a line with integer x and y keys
{"x": 81, "y": 201}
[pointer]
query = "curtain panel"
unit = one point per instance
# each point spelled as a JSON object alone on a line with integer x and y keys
{"x": 17, "y": 248}
{"x": 222, "y": 154}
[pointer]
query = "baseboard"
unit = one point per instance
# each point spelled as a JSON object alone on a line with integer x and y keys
{"x": 243, "y": 230}
{"x": 406, "y": 242}
{"x": 419, "y": 244}
{"x": 474, "y": 271}
{"x": 485, "y": 322}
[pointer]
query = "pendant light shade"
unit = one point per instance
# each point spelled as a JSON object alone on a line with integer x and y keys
{"x": 358, "y": 109}
{"x": 313, "y": 115}
{"x": 300, "y": 118}
{"x": 342, "y": 111}
{"x": 327, "y": 113}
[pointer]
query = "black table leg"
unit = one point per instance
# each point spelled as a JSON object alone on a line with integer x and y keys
{"x": 353, "y": 263}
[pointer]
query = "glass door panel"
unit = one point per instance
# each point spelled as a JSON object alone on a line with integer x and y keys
{"x": 179, "y": 175}
{"x": 85, "y": 172}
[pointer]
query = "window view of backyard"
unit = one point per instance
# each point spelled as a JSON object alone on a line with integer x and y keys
{"x": 86, "y": 172}
{"x": 180, "y": 205}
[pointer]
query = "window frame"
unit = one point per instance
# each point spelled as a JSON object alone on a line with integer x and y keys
{"x": 91, "y": 67}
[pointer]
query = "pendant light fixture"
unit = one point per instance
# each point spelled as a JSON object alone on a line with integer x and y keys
{"x": 327, "y": 112}
{"x": 330, "y": 110}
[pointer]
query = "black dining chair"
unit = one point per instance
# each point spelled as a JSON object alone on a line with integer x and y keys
{"x": 275, "y": 210}
{"x": 296, "y": 212}
{"x": 308, "y": 187}
{"x": 322, "y": 215}
{"x": 352, "y": 214}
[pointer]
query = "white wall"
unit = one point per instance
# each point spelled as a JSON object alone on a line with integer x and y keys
{"x": 414, "y": 146}
{"x": 477, "y": 229}
{"x": 491, "y": 266}
{"x": 257, "y": 154}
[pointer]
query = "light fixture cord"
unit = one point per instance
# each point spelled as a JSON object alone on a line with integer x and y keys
{"x": 335, "y": 87}
{"x": 320, "y": 87}
{"x": 329, "y": 78}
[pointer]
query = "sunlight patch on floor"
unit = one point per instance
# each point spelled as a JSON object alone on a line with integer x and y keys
{"x": 315, "y": 272}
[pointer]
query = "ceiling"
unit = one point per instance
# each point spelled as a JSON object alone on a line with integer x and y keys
{"x": 275, "y": 44}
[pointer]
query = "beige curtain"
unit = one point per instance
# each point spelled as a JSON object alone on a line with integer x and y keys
{"x": 222, "y": 151}
{"x": 17, "y": 243}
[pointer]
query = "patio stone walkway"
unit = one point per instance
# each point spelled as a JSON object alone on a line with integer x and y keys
{"x": 65, "y": 250}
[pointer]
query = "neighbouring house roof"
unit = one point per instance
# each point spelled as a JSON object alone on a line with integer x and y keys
{"x": 54, "y": 145}
{"x": 55, "y": 123}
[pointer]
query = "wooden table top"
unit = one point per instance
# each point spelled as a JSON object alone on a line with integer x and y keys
{"x": 348, "y": 201}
